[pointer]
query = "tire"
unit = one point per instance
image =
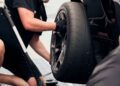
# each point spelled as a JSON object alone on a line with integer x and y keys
{"x": 72, "y": 58}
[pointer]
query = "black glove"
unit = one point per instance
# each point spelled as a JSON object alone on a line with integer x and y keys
{"x": 60, "y": 25}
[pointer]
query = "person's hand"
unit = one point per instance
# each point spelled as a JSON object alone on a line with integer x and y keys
{"x": 60, "y": 25}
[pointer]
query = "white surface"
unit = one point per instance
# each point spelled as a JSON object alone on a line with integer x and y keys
{"x": 2, "y": 3}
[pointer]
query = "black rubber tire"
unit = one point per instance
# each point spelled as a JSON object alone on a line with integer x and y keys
{"x": 72, "y": 58}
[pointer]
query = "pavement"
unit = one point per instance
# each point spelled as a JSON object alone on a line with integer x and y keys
{"x": 51, "y": 9}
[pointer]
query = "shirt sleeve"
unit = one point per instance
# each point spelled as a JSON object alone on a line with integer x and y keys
{"x": 28, "y": 4}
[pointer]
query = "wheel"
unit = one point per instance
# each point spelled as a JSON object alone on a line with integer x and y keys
{"x": 72, "y": 58}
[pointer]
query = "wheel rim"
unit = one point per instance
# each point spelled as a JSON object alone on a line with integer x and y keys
{"x": 58, "y": 44}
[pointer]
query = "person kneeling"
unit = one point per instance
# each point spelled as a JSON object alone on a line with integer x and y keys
{"x": 9, "y": 79}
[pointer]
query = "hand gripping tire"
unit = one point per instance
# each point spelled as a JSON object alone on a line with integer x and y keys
{"x": 72, "y": 58}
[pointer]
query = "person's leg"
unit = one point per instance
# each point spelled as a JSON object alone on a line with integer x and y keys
{"x": 22, "y": 66}
{"x": 12, "y": 80}
{"x": 9, "y": 79}
{"x": 107, "y": 73}
{"x": 39, "y": 47}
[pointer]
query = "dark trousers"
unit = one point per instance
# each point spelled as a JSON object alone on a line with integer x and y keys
{"x": 20, "y": 64}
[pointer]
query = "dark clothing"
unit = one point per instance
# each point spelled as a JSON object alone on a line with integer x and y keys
{"x": 107, "y": 73}
{"x": 29, "y": 4}
{"x": 20, "y": 64}
{"x": 15, "y": 59}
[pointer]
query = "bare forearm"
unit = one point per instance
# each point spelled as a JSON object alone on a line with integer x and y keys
{"x": 37, "y": 25}
{"x": 33, "y": 24}
{"x": 37, "y": 45}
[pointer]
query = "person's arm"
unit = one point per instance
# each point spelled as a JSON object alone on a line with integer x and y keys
{"x": 37, "y": 45}
{"x": 33, "y": 24}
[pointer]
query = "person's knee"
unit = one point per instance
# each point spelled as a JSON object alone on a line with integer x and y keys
{"x": 2, "y": 51}
{"x": 32, "y": 81}
{"x": 18, "y": 81}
